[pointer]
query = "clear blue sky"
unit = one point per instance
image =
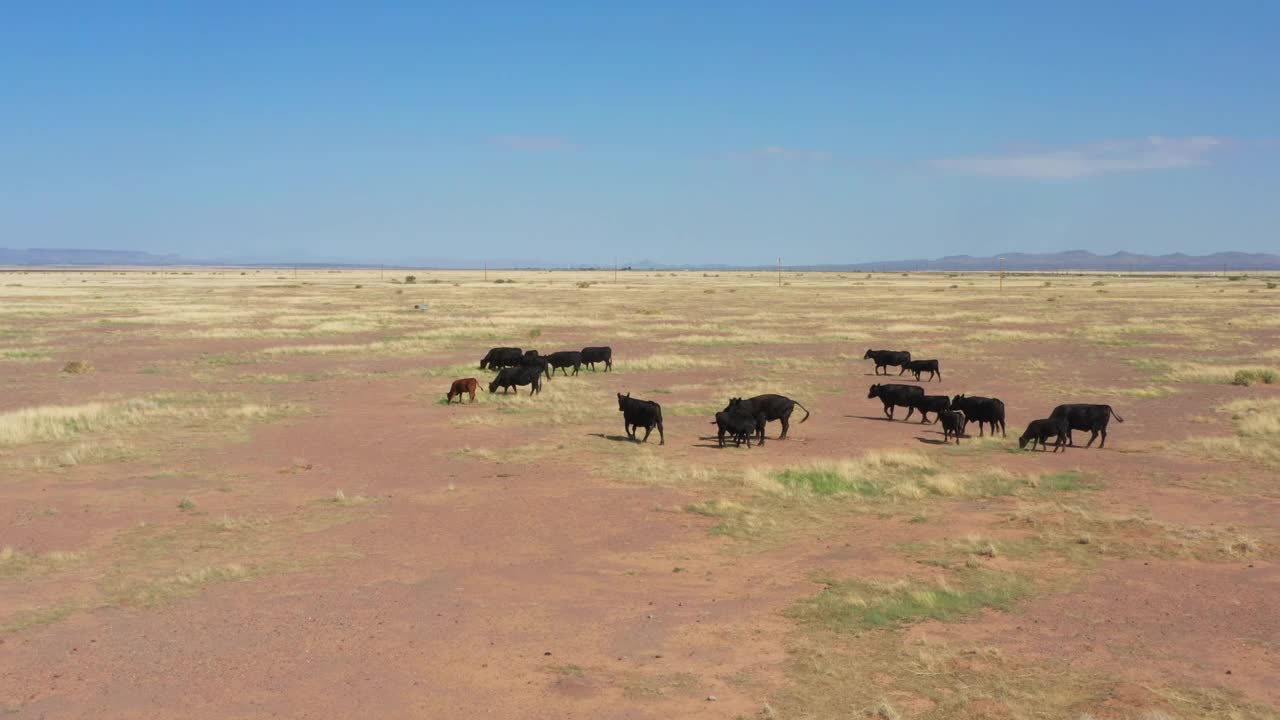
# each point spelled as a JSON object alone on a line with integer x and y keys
{"x": 677, "y": 132}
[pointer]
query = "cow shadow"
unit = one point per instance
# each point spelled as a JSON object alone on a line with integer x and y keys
{"x": 713, "y": 442}
{"x": 614, "y": 438}
{"x": 869, "y": 417}
{"x": 931, "y": 441}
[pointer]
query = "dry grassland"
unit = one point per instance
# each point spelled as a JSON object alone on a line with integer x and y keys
{"x": 250, "y": 435}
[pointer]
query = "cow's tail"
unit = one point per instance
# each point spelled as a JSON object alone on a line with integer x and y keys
{"x": 806, "y": 412}
{"x": 1114, "y": 414}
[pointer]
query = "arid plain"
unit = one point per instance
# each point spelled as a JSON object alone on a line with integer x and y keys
{"x": 252, "y": 501}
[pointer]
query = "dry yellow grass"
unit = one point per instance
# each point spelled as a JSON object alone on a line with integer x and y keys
{"x": 63, "y": 422}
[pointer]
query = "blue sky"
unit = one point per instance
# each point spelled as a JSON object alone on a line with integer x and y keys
{"x": 676, "y": 132}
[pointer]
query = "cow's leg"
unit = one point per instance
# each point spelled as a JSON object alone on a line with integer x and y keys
{"x": 786, "y": 425}
{"x": 1093, "y": 435}
{"x": 909, "y": 411}
{"x": 662, "y": 438}
{"x": 888, "y": 411}
{"x": 1103, "y": 444}
{"x": 647, "y": 430}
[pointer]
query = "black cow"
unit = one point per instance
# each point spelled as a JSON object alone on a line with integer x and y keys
{"x": 593, "y": 355}
{"x": 1041, "y": 430}
{"x": 765, "y": 408}
{"x": 885, "y": 358}
{"x": 896, "y": 395}
{"x": 929, "y": 404}
{"x": 953, "y": 422}
{"x": 981, "y": 410}
{"x": 1093, "y": 418}
{"x": 500, "y": 357}
{"x": 739, "y": 426}
{"x": 532, "y": 359}
{"x": 638, "y": 414}
{"x": 564, "y": 359}
{"x": 512, "y": 377}
{"x": 922, "y": 366}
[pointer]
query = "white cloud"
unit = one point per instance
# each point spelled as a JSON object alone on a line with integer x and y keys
{"x": 535, "y": 143}
{"x": 1146, "y": 154}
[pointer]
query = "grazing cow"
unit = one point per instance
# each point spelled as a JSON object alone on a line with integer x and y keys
{"x": 896, "y": 395}
{"x": 466, "y": 385}
{"x": 953, "y": 422}
{"x": 739, "y": 426}
{"x": 765, "y": 408}
{"x": 531, "y": 358}
{"x": 513, "y": 377}
{"x": 638, "y": 414}
{"x": 929, "y": 404}
{"x": 1041, "y": 430}
{"x": 564, "y": 359}
{"x": 922, "y": 366}
{"x": 885, "y": 358}
{"x": 593, "y": 355}
{"x": 1093, "y": 418}
{"x": 500, "y": 357}
{"x": 981, "y": 410}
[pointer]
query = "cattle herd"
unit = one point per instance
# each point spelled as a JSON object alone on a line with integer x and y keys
{"x": 744, "y": 419}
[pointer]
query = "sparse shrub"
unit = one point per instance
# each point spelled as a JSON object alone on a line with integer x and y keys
{"x": 503, "y": 281}
{"x": 399, "y": 292}
{"x": 1235, "y": 278}
{"x": 78, "y": 367}
{"x": 1271, "y": 286}
{"x": 186, "y": 504}
{"x": 953, "y": 287}
{"x": 709, "y": 290}
{"x": 359, "y": 286}
{"x": 1098, "y": 283}
{"x": 1249, "y": 376}
{"x": 410, "y": 279}
{"x": 583, "y": 285}
{"x": 534, "y": 333}
{"x": 1046, "y": 283}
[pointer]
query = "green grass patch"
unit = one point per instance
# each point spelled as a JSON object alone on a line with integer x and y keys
{"x": 852, "y": 605}
{"x": 829, "y": 482}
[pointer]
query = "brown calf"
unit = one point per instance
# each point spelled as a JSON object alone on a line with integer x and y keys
{"x": 466, "y": 385}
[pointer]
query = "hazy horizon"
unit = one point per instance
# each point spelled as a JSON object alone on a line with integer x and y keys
{"x": 849, "y": 133}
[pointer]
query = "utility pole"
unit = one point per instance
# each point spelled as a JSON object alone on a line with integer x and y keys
{"x": 382, "y": 271}
{"x": 779, "y": 272}
{"x": 486, "y": 271}
{"x": 1001, "y": 275}
{"x": 615, "y": 269}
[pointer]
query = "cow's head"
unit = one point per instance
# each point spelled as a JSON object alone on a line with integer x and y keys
{"x": 868, "y": 355}
{"x": 875, "y": 391}
{"x": 493, "y": 385}
{"x": 622, "y": 400}
{"x": 733, "y": 403}
{"x": 1022, "y": 441}
{"x": 956, "y": 400}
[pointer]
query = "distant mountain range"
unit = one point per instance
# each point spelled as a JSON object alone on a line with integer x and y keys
{"x": 1015, "y": 262}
